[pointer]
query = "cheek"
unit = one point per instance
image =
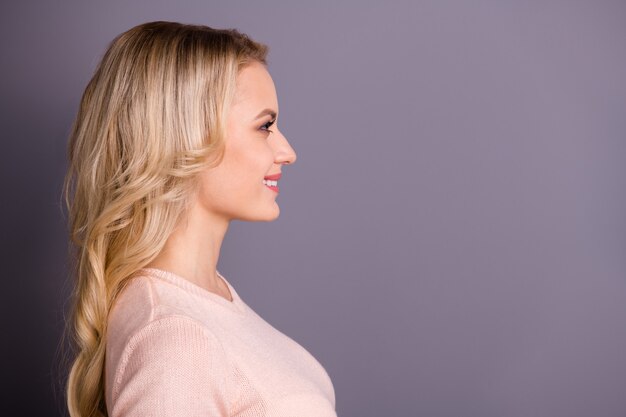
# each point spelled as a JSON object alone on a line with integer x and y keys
{"x": 253, "y": 161}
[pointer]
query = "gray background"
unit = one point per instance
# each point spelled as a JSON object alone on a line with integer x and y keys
{"x": 452, "y": 237}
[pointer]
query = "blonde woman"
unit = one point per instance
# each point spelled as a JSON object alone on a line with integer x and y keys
{"x": 177, "y": 135}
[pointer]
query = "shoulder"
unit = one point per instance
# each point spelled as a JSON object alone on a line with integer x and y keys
{"x": 174, "y": 338}
{"x": 133, "y": 307}
{"x": 175, "y": 359}
{"x": 153, "y": 334}
{"x": 143, "y": 301}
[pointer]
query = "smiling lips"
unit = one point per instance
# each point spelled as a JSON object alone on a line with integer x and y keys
{"x": 271, "y": 181}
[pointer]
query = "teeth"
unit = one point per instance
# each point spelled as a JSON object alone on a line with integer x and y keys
{"x": 270, "y": 183}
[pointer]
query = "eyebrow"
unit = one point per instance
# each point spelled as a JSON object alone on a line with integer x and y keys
{"x": 266, "y": 111}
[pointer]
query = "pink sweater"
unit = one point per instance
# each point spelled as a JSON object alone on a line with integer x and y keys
{"x": 176, "y": 349}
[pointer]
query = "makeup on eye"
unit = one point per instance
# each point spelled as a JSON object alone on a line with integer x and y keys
{"x": 269, "y": 124}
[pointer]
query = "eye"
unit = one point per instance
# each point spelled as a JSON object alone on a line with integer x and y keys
{"x": 267, "y": 125}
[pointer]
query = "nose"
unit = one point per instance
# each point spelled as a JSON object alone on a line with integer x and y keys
{"x": 284, "y": 153}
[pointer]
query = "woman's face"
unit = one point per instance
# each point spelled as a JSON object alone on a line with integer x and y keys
{"x": 254, "y": 149}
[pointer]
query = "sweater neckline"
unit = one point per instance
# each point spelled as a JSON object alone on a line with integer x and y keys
{"x": 187, "y": 285}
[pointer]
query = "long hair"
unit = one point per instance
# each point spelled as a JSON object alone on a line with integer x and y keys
{"x": 151, "y": 118}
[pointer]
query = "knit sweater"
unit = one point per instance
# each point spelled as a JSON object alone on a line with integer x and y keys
{"x": 177, "y": 349}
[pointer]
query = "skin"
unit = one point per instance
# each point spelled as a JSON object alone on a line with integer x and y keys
{"x": 234, "y": 189}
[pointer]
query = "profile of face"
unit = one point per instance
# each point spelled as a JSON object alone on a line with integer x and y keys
{"x": 254, "y": 149}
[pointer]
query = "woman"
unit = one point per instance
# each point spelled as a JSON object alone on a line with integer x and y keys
{"x": 176, "y": 136}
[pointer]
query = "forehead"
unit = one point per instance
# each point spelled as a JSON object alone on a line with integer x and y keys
{"x": 255, "y": 88}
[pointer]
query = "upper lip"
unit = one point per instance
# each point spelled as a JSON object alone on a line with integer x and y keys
{"x": 274, "y": 177}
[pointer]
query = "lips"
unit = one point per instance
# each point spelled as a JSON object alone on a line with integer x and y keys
{"x": 273, "y": 178}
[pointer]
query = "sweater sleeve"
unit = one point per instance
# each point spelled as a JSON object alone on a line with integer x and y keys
{"x": 173, "y": 366}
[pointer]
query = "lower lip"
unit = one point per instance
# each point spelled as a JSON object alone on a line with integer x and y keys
{"x": 271, "y": 187}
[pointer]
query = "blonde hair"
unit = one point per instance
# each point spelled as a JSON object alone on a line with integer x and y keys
{"x": 150, "y": 119}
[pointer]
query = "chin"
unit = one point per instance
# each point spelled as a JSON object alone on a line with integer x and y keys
{"x": 274, "y": 215}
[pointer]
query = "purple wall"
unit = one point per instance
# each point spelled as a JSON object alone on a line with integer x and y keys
{"x": 452, "y": 237}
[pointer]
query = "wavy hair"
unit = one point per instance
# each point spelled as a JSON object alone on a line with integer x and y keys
{"x": 151, "y": 118}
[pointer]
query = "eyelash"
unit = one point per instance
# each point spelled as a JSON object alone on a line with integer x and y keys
{"x": 268, "y": 125}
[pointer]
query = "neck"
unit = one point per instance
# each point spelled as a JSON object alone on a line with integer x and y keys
{"x": 192, "y": 250}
